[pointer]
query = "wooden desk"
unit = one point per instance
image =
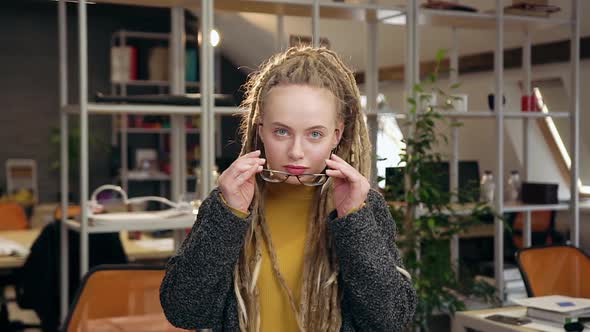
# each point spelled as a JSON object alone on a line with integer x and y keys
{"x": 133, "y": 249}
{"x": 138, "y": 250}
{"x": 476, "y": 320}
{"x": 23, "y": 237}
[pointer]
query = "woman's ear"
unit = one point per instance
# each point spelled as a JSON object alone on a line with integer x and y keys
{"x": 339, "y": 132}
{"x": 259, "y": 132}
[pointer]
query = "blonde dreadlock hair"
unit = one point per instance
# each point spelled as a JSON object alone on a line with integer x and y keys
{"x": 319, "y": 307}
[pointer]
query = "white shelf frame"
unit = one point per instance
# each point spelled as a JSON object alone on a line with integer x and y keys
{"x": 108, "y": 108}
{"x": 155, "y": 131}
{"x": 172, "y": 223}
{"x": 154, "y": 83}
{"x": 490, "y": 115}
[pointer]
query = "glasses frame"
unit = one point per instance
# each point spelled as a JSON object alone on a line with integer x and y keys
{"x": 288, "y": 175}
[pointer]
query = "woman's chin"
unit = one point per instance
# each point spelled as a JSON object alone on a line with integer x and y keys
{"x": 293, "y": 180}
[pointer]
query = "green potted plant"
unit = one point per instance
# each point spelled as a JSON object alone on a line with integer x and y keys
{"x": 95, "y": 143}
{"x": 428, "y": 220}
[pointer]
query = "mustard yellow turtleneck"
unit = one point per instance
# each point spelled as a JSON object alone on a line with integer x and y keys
{"x": 287, "y": 209}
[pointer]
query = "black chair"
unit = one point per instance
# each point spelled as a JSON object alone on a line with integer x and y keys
{"x": 38, "y": 281}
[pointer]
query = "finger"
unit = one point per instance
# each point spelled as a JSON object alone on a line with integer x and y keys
{"x": 247, "y": 156}
{"x": 248, "y": 161}
{"x": 340, "y": 161}
{"x": 335, "y": 174}
{"x": 245, "y": 176}
{"x": 243, "y": 167}
{"x": 254, "y": 153}
{"x": 350, "y": 172}
{"x": 335, "y": 157}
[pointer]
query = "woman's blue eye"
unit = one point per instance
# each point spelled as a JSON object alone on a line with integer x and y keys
{"x": 281, "y": 132}
{"x": 316, "y": 134}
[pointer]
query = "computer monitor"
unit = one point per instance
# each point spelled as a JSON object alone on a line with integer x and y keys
{"x": 439, "y": 177}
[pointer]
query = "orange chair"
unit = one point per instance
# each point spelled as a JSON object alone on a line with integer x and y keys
{"x": 12, "y": 217}
{"x": 542, "y": 228}
{"x": 73, "y": 212}
{"x": 119, "y": 298}
{"x": 555, "y": 270}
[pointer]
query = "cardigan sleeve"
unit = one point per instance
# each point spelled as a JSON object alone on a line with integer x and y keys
{"x": 377, "y": 291}
{"x": 199, "y": 277}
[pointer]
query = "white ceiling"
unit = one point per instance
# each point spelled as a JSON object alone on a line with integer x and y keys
{"x": 250, "y": 38}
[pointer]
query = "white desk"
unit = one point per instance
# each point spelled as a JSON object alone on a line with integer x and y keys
{"x": 476, "y": 320}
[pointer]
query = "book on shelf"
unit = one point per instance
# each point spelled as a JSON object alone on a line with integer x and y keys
{"x": 123, "y": 64}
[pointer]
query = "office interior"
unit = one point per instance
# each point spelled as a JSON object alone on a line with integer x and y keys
{"x": 109, "y": 100}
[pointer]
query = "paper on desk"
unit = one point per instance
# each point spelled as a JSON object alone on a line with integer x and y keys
{"x": 12, "y": 248}
{"x": 557, "y": 303}
{"x": 535, "y": 324}
{"x": 158, "y": 244}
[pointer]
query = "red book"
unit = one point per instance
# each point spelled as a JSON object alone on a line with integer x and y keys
{"x": 132, "y": 63}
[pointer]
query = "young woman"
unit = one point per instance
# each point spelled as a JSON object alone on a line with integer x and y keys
{"x": 293, "y": 238}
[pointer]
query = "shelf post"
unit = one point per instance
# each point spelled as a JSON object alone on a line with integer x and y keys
{"x": 64, "y": 160}
{"x": 207, "y": 102}
{"x": 281, "y": 44}
{"x": 315, "y": 23}
{"x": 526, "y": 125}
{"x": 124, "y": 125}
{"x": 499, "y": 109}
{"x": 177, "y": 87}
{"x": 177, "y": 122}
{"x": 83, "y": 91}
{"x": 575, "y": 123}
{"x": 454, "y": 162}
{"x": 371, "y": 91}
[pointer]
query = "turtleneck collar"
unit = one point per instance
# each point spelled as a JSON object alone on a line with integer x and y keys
{"x": 286, "y": 191}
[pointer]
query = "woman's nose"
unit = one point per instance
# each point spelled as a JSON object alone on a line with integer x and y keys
{"x": 296, "y": 150}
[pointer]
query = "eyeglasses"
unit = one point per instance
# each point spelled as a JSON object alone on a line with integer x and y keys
{"x": 311, "y": 180}
{"x": 273, "y": 176}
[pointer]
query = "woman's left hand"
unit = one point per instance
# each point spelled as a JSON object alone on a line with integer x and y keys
{"x": 350, "y": 186}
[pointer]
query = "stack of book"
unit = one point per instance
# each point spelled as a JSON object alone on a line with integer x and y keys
{"x": 556, "y": 308}
{"x": 514, "y": 288}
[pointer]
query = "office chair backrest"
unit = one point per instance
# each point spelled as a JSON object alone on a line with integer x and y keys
{"x": 119, "y": 294}
{"x": 12, "y": 217}
{"x": 555, "y": 270}
{"x": 542, "y": 228}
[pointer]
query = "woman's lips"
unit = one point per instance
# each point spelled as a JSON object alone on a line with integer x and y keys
{"x": 295, "y": 170}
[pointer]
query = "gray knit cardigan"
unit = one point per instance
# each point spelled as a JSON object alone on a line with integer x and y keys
{"x": 197, "y": 291}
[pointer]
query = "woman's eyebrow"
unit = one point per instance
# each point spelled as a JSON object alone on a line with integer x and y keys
{"x": 284, "y": 125}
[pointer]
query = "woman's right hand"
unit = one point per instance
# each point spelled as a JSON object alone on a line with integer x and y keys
{"x": 237, "y": 183}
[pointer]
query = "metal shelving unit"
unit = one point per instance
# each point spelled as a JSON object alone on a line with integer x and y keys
{"x": 372, "y": 14}
{"x": 500, "y": 22}
{"x": 84, "y": 107}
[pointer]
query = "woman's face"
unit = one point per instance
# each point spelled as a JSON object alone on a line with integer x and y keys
{"x": 299, "y": 129}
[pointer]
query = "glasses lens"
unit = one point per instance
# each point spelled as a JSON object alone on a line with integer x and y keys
{"x": 273, "y": 176}
{"x": 313, "y": 179}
